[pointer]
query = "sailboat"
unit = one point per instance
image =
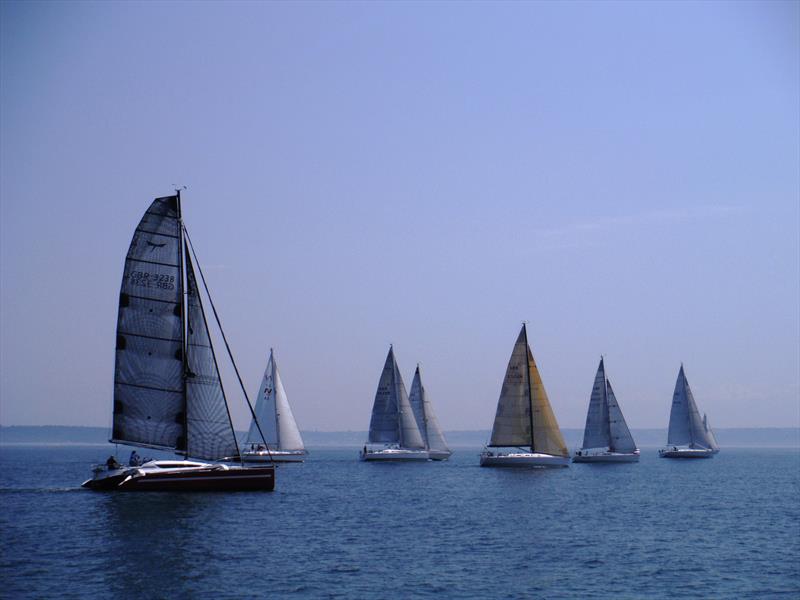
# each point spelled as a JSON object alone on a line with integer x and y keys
{"x": 689, "y": 436}
{"x": 393, "y": 431}
{"x": 606, "y": 437}
{"x": 427, "y": 422}
{"x": 167, "y": 390}
{"x": 273, "y": 413}
{"x": 525, "y": 428}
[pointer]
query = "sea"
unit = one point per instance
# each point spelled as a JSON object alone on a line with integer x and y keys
{"x": 727, "y": 527}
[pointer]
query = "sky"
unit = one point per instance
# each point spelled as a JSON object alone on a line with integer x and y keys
{"x": 625, "y": 176}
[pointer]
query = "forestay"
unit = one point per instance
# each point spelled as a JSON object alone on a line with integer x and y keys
{"x": 149, "y": 389}
{"x": 427, "y": 422}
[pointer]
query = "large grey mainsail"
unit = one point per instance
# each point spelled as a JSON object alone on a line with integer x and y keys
{"x": 512, "y": 421}
{"x": 209, "y": 429}
{"x": 686, "y": 427}
{"x": 621, "y": 438}
{"x": 426, "y": 419}
{"x": 393, "y": 419}
{"x": 597, "y": 433}
{"x": 149, "y": 390}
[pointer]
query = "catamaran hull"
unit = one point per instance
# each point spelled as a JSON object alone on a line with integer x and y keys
{"x": 524, "y": 460}
{"x": 274, "y": 456}
{"x": 687, "y": 453}
{"x": 439, "y": 454}
{"x": 393, "y": 455}
{"x": 231, "y": 479}
{"x": 607, "y": 457}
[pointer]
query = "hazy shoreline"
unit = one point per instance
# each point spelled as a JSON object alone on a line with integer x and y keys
{"x": 65, "y": 435}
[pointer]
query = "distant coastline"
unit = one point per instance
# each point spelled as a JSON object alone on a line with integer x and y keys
{"x": 757, "y": 437}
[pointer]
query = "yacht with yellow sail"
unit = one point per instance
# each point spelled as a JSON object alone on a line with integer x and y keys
{"x": 525, "y": 431}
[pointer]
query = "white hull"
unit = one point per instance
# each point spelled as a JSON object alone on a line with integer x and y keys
{"x": 523, "y": 459}
{"x": 439, "y": 454}
{"x": 262, "y": 456}
{"x": 686, "y": 452}
{"x": 393, "y": 454}
{"x": 606, "y": 457}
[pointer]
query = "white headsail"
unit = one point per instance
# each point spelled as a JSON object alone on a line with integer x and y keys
{"x": 426, "y": 419}
{"x": 621, "y": 438}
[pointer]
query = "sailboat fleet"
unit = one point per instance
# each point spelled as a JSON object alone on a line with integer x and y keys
{"x": 168, "y": 394}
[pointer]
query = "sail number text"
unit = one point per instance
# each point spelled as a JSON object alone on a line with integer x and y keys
{"x": 145, "y": 279}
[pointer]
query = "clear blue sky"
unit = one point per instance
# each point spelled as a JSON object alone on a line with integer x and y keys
{"x": 622, "y": 175}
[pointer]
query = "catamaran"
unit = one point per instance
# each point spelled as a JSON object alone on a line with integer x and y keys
{"x": 689, "y": 436}
{"x": 393, "y": 431}
{"x": 606, "y": 437}
{"x": 273, "y": 413}
{"x": 525, "y": 429}
{"x": 167, "y": 390}
{"x": 427, "y": 422}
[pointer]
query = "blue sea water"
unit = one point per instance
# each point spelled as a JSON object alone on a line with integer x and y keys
{"x": 728, "y": 527}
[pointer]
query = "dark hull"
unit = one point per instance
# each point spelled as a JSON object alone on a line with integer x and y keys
{"x": 205, "y": 480}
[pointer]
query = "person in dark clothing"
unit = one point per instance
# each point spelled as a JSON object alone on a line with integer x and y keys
{"x": 112, "y": 463}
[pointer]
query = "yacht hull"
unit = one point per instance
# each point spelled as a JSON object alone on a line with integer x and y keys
{"x": 393, "y": 454}
{"x": 439, "y": 454}
{"x": 523, "y": 460}
{"x": 274, "y": 456}
{"x": 686, "y": 453}
{"x": 207, "y": 478}
{"x": 606, "y": 457}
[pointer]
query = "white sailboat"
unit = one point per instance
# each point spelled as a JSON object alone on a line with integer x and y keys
{"x": 426, "y": 420}
{"x": 393, "y": 431}
{"x": 281, "y": 435}
{"x": 606, "y": 437}
{"x": 689, "y": 435}
{"x": 167, "y": 390}
{"x": 525, "y": 430}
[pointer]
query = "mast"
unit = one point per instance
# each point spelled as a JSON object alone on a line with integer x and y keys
{"x": 605, "y": 405}
{"x": 184, "y": 317}
{"x": 275, "y": 395}
{"x": 397, "y": 398}
{"x": 528, "y": 369}
{"x": 688, "y": 409}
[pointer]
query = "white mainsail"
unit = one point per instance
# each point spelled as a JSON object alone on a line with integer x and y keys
{"x": 426, "y": 419}
{"x": 686, "y": 427}
{"x": 274, "y": 413}
{"x": 393, "y": 420}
